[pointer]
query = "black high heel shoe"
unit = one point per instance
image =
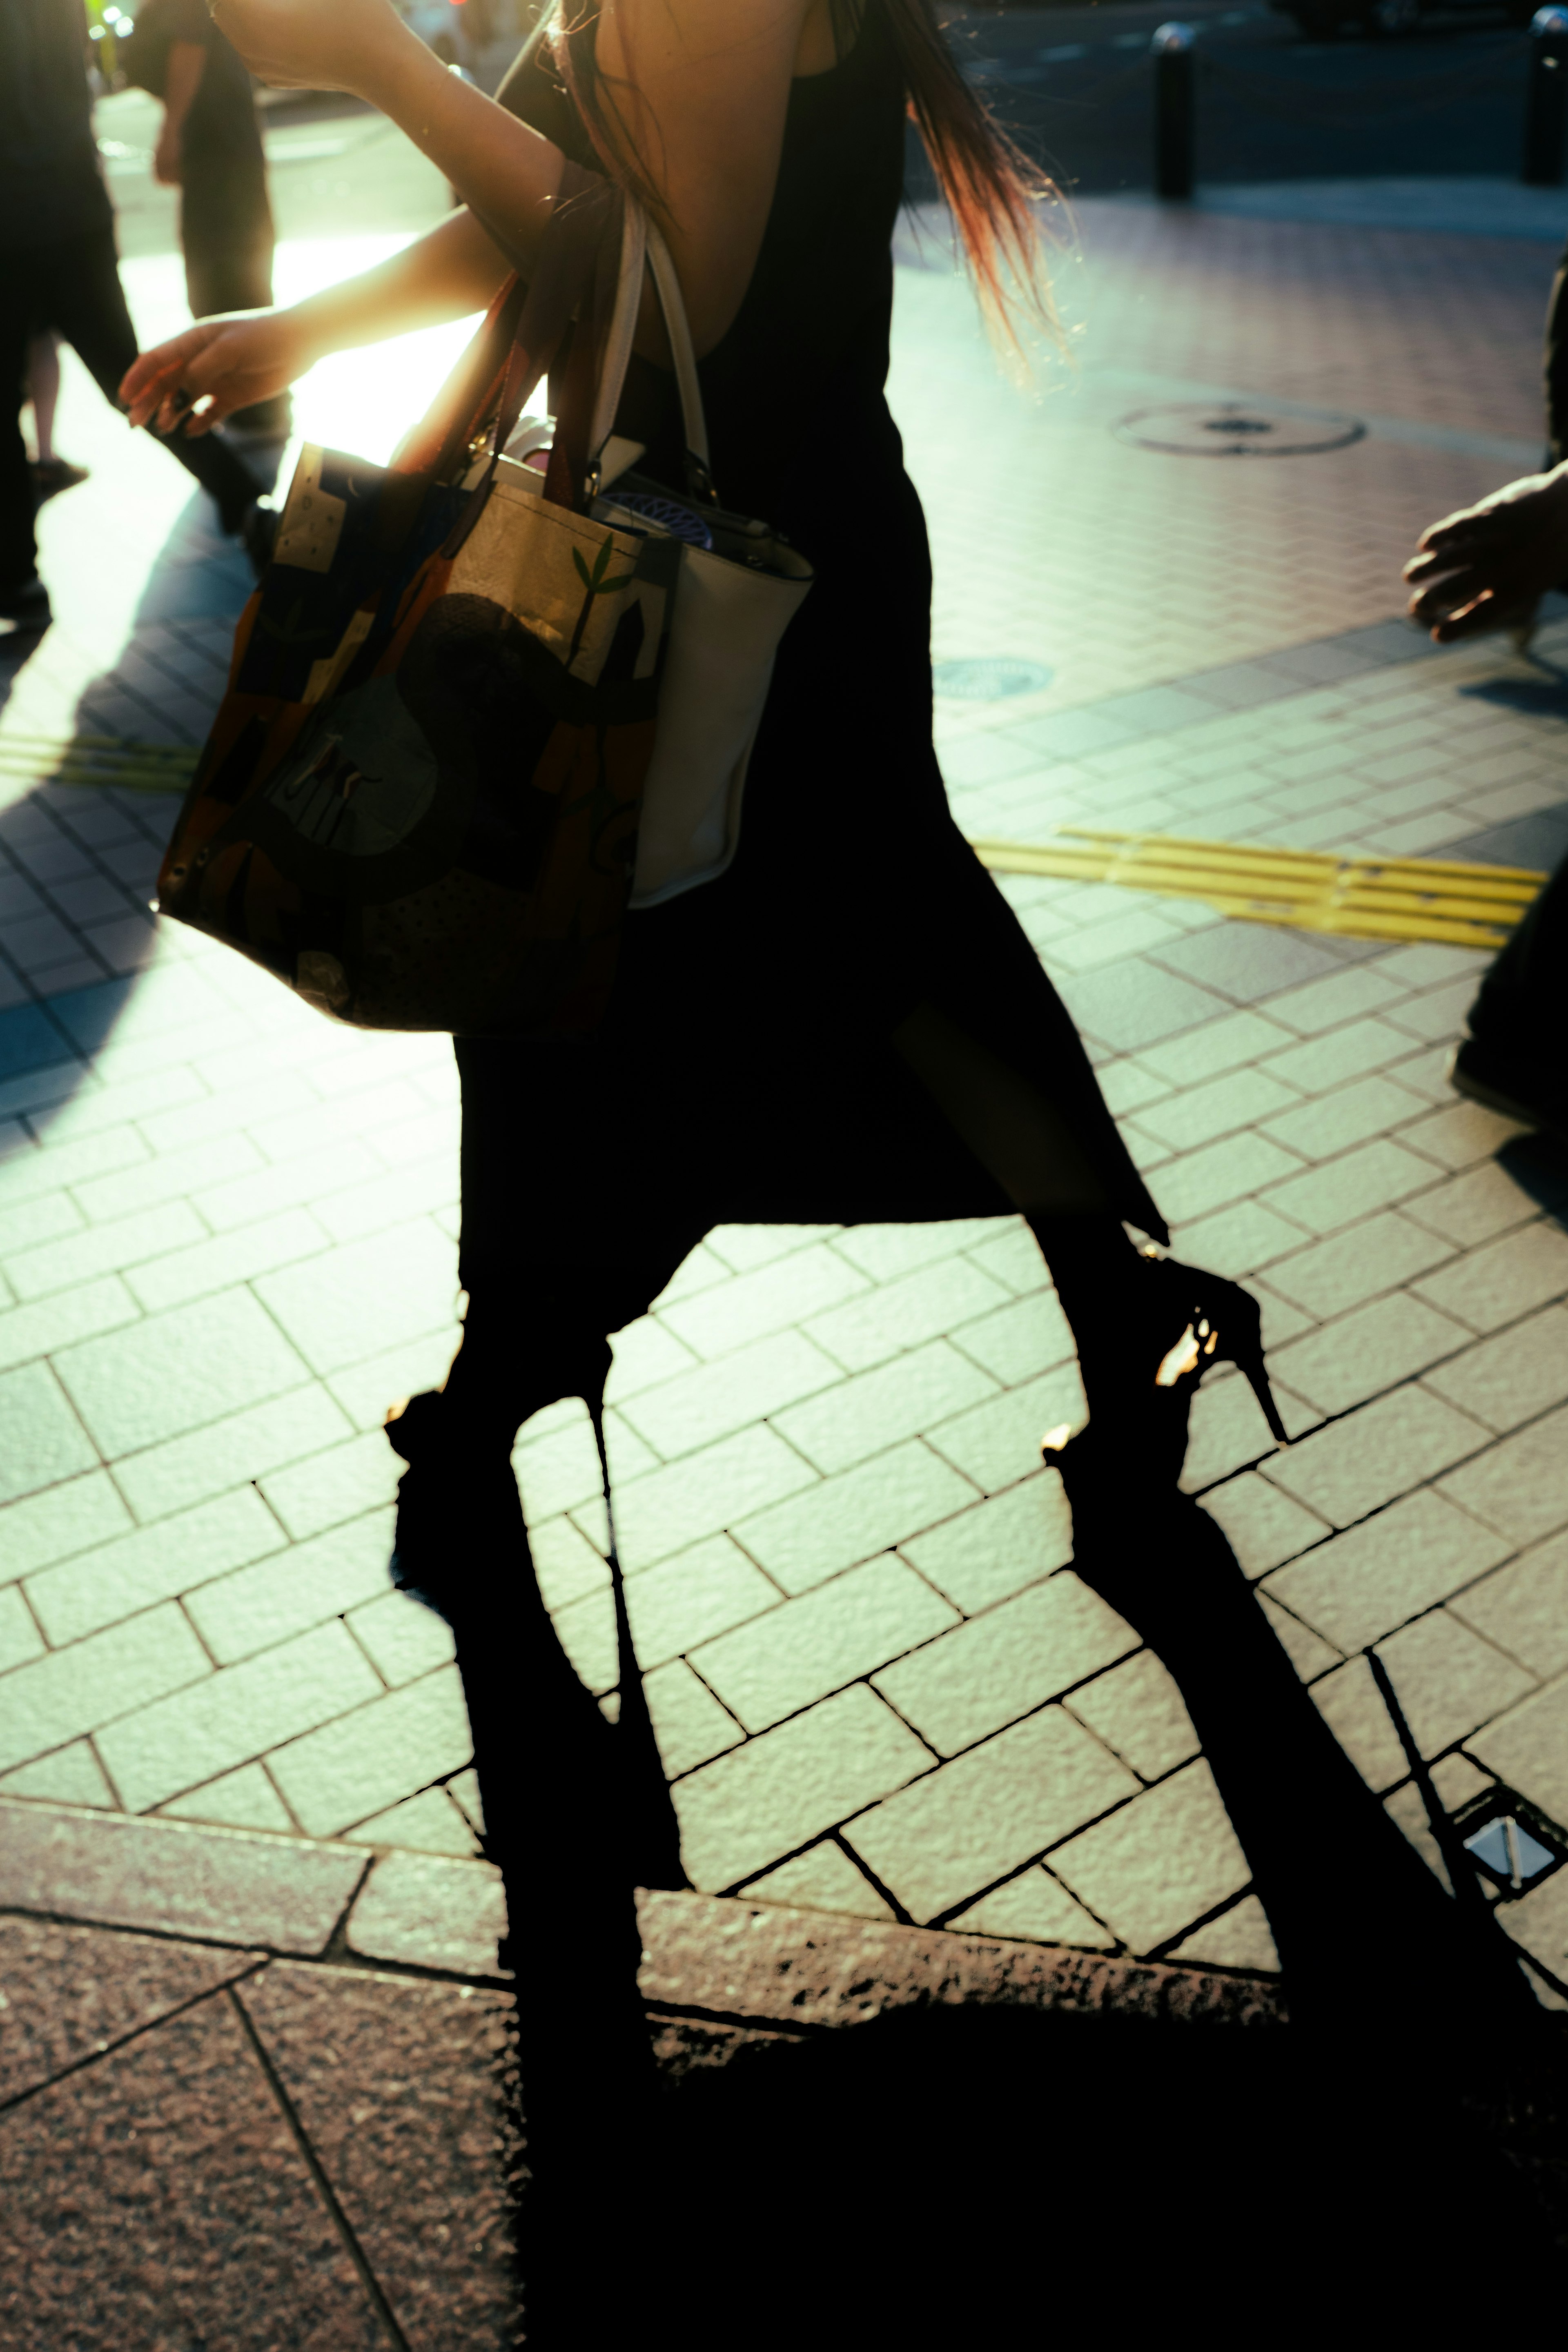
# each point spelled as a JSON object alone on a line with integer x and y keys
{"x": 1144, "y": 1358}
{"x": 452, "y": 1468}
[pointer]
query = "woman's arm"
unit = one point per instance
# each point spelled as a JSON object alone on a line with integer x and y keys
{"x": 227, "y": 363}
{"x": 701, "y": 86}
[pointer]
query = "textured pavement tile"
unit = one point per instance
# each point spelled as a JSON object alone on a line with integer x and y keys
{"x": 403, "y": 1638}
{"x": 106, "y": 2245}
{"x": 1373, "y": 1176}
{"x": 1350, "y": 1114}
{"x": 427, "y": 1823}
{"x": 865, "y": 1415}
{"x": 998, "y": 1443}
{"x": 1036, "y": 1910}
{"x": 1447, "y": 1680}
{"x": 57, "y": 1697}
{"x": 1001, "y": 1665}
{"x": 245, "y": 1799}
{"x": 1460, "y": 1134}
{"x": 704, "y": 1493}
{"x": 200, "y": 1269}
{"x": 941, "y": 1840}
{"x": 1134, "y": 1005}
{"x": 1241, "y": 1099}
{"x": 329, "y": 1487}
{"x": 1018, "y": 1341}
{"x": 566, "y": 1563}
{"x": 1512, "y": 1377}
{"x": 377, "y": 2069}
{"x": 72, "y": 1992}
{"x": 59, "y": 1320}
{"x": 1261, "y": 1526}
{"x": 1528, "y": 1749}
{"x": 1233, "y": 1041}
{"x": 430, "y": 1911}
{"x": 1323, "y": 1063}
{"x": 41, "y": 1440}
{"x": 823, "y": 1878}
{"x": 833, "y": 1635}
{"x": 715, "y": 1321}
{"x": 743, "y": 1248}
{"x": 1237, "y": 1240}
{"x": 104, "y": 1249}
{"x": 363, "y": 1762}
{"x": 1523, "y": 1607}
{"x": 67, "y": 1776}
{"x": 1219, "y": 1174}
{"x": 60, "y": 1520}
{"x": 363, "y": 1298}
{"x": 688, "y": 1723}
{"x": 997, "y": 1547}
{"x": 1227, "y": 1429}
{"x": 221, "y": 1886}
{"x": 98, "y": 1587}
{"x": 1159, "y": 1864}
{"x": 694, "y": 1597}
{"x": 752, "y": 1807}
{"x": 643, "y": 1355}
{"x": 293, "y": 1588}
{"x": 1310, "y": 1655}
{"x": 557, "y": 1462}
{"x": 30, "y": 1170}
{"x": 237, "y": 1714}
{"x": 1503, "y": 1281}
{"x": 229, "y": 1453}
{"x": 1379, "y": 1256}
{"x": 887, "y": 1253}
{"x": 1346, "y": 1470}
{"x": 173, "y": 1373}
{"x": 41, "y": 1217}
{"x": 1013, "y": 1257}
{"x": 315, "y": 1175}
{"x": 169, "y": 1176}
{"x": 587, "y": 1634}
{"x": 1352, "y": 1705}
{"x": 1343, "y": 1364}
{"x": 1333, "y": 999}
{"x": 714, "y": 1400}
{"x": 924, "y": 1305}
{"x": 1239, "y": 1939}
{"x": 1475, "y": 1207}
{"x": 1138, "y": 1710}
{"x": 1391, "y": 1568}
{"x": 838, "y": 1521}
{"x": 1246, "y": 961}
{"x": 1518, "y": 1485}
{"x": 19, "y": 1636}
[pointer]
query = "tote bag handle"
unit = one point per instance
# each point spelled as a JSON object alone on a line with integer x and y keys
{"x": 642, "y": 244}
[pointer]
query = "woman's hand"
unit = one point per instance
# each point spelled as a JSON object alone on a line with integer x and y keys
{"x": 306, "y": 44}
{"x": 1488, "y": 566}
{"x": 211, "y": 370}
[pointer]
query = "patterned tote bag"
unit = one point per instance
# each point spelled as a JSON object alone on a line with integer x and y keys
{"x": 419, "y": 804}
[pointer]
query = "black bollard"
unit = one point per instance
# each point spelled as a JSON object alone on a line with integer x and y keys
{"x": 1173, "y": 52}
{"x": 1546, "y": 100}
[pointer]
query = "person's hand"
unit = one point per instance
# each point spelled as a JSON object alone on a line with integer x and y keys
{"x": 215, "y": 367}
{"x": 1488, "y": 566}
{"x": 168, "y": 156}
{"x": 303, "y": 44}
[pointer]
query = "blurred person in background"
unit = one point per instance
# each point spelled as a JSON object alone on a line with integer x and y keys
{"x": 59, "y": 274}
{"x": 1487, "y": 567}
{"x": 210, "y": 149}
{"x": 41, "y": 391}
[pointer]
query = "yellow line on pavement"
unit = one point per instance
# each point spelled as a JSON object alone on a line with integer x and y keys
{"x": 1360, "y": 896}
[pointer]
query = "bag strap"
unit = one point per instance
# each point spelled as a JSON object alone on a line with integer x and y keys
{"x": 642, "y": 244}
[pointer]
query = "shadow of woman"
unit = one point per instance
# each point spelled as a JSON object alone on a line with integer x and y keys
{"x": 1417, "y": 2076}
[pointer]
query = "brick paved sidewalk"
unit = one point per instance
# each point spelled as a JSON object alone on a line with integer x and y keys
{"x": 227, "y": 1229}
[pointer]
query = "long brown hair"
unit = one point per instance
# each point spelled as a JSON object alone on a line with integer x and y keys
{"x": 991, "y": 188}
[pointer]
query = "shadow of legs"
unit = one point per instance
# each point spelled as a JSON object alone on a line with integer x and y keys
{"x": 1342, "y": 1886}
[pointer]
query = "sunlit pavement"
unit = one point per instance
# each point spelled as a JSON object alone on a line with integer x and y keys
{"x": 227, "y": 1234}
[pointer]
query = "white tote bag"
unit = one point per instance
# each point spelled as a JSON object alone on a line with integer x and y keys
{"x": 739, "y": 588}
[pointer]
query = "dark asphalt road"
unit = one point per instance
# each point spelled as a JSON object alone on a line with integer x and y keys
{"x": 1075, "y": 85}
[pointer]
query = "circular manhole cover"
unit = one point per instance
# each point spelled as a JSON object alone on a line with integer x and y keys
{"x": 989, "y": 681}
{"x": 1234, "y": 429}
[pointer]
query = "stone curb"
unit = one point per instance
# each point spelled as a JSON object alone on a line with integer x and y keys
{"x": 708, "y": 1957}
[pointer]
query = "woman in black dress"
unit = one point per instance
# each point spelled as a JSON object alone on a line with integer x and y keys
{"x": 849, "y": 1024}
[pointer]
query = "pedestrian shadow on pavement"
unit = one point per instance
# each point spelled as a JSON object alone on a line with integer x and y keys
{"x": 1538, "y": 1164}
{"x": 927, "y": 2170}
